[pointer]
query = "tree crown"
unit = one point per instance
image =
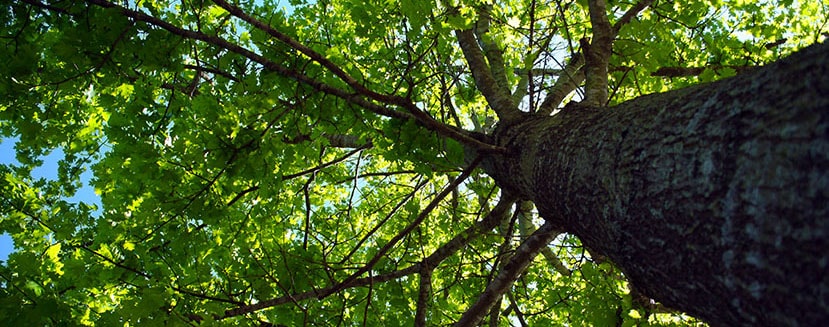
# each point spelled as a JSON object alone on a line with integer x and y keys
{"x": 314, "y": 162}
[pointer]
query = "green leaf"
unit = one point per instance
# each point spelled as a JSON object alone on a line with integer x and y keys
{"x": 461, "y": 21}
{"x": 34, "y": 287}
{"x": 417, "y": 12}
{"x": 205, "y": 139}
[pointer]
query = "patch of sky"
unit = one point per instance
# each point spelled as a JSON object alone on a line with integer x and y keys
{"x": 49, "y": 171}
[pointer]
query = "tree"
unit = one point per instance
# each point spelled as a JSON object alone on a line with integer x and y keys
{"x": 336, "y": 163}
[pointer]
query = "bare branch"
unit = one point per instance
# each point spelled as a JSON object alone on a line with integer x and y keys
{"x": 519, "y": 262}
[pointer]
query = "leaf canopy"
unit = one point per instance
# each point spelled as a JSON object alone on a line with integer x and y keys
{"x": 264, "y": 162}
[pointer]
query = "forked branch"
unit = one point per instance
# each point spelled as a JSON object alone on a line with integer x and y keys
{"x": 572, "y": 75}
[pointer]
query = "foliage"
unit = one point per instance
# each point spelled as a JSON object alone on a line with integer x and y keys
{"x": 284, "y": 173}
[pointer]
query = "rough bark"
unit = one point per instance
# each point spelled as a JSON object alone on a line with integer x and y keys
{"x": 712, "y": 199}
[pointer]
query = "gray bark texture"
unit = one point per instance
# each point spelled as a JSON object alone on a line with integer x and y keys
{"x": 712, "y": 199}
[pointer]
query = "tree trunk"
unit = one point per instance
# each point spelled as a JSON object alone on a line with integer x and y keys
{"x": 713, "y": 199}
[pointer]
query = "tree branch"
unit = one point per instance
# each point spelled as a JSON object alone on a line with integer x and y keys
{"x": 493, "y": 54}
{"x": 268, "y": 64}
{"x": 416, "y": 113}
{"x": 241, "y": 310}
{"x": 310, "y": 53}
{"x": 497, "y": 97}
{"x": 423, "y": 294}
{"x": 597, "y": 54}
{"x": 498, "y": 214}
{"x": 213, "y": 71}
{"x": 526, "y": 228}
{"x": 569, "y": 79}
{"x": 519, "y": 262}
{"x": 572, "y": 75}
{"x": 629, "y": 15}
{"x": 304, "y": 172}
{"x": 334, "y": 140}
{"x": 413, "y": 112}
{"x": 383, "y": 221}
{"x": 422, "y": 216}
{"x": 526, "y": 83}
{"x": 538, "y": 71}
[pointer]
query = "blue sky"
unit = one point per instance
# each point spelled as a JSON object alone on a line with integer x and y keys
{"x": 6, "y": 158}
{"x": 48, "y": 170}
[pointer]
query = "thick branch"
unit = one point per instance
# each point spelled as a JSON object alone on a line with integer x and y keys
{"x": 494, "y": 55}
{"x": 572, "y": 75}
{"x": 498, "y": 98}
{"x": 526, "y": 228}
{"x": 519, "y": 262}
{"x": 423, "y": 295}
{"x": 597, "y": 54}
